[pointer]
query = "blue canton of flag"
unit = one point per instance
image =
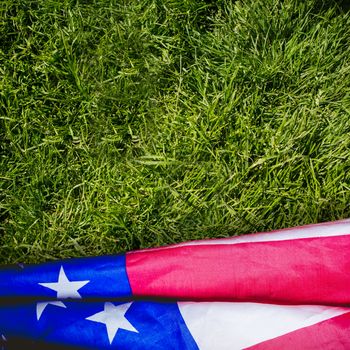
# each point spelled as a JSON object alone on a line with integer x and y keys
{"x": 96, "y": 277}
{"x": 97, "y": 325}
{"x": 68, "y": 314}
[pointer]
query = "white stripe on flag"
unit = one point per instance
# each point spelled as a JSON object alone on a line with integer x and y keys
{"x": 328, "y": 229}
{"x": 224, "y": 325}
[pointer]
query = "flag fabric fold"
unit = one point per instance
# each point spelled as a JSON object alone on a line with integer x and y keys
{"x": 285, "y": 289}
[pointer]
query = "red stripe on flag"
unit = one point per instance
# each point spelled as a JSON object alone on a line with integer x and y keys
{"x": 327, "y": 335}
{"x": 307, "y": 271}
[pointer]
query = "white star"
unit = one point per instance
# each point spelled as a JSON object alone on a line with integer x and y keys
{"x": 40, "y": 307}
{"x": 113, "y": 317}
{"x": 64, "y": 287}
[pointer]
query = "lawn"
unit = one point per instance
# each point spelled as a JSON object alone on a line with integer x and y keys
{"x": 134, "y": 124}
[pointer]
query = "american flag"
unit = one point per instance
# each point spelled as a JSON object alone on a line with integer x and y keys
{"x": 287, "y": 289}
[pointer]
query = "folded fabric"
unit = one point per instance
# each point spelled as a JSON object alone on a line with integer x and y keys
{"x": 231, "y": 293}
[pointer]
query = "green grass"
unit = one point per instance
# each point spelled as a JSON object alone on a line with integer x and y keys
{"x": 132, "y": 124}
